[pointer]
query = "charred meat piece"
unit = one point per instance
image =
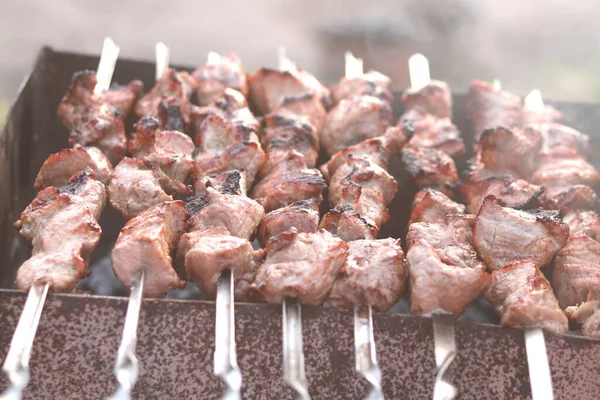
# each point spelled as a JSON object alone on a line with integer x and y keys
{"x": 308, "y": 106}
{"x": 174, "y": 90}
{"x": 238, "y": 213}
{"x": 374, "y": 274}
{"x": 148, "y": 242}
{"x": 217, "y": 75}
{"x": 289, "y": 181}
{"x": 583, "y": 223}
{"x": 60, "y": 167}
{"x": 208, "y": 253}
{"x": 512, "y": 152}
{"x": 435, "y": 99}
{"x": 430, "y": 167}
{"x": 231, "y": 182}
{"x": 281, "y": 134}
{"x": 503, "y": 234}
{"x": 444, "y": 270}
{"x": 557, "y": 135}
{"x": 353, "y": 120}
{"x": 509, "y": 192}
{"x": 489, "y": 108}
{"x": 576, "y": 197}
{"x": 61, "y": 223}
{"x": 562, "y": 168}
{"x": 434, "y": 132}
{"x": 231, "y": 106}
{"x": 587, "y": 315}
{"x": 300, "y": 265}
{"x": 548, "y": 114}
{"x": 269, "y": 87}
{"x": 522, "y": 296}
{"x": 170, "y": 151}
{"x": 302, "y": 215}
{"x": 223, "y": 146}
{"x": 348, "y": 224}
{"x": 430, "y": 205}
{"x": 134, "y": 188}
{"x": 372, "y": 83}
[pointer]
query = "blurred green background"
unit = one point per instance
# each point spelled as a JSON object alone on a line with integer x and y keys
{"x": 547, "y": 44}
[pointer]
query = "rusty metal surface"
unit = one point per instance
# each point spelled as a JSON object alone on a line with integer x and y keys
{"x": 78, "y": 337}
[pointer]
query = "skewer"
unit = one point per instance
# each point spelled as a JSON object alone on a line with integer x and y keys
{"x": 294, "y": 373}
{"x": 443, "y": 324}
{"x": 126, "y": 367}
{"x": 16, "y": 365}
{"x": 364, "y": 342}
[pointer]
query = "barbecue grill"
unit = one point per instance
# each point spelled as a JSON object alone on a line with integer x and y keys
{"x": 78, "y": 337}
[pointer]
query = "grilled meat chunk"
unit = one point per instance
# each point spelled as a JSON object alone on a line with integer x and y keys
{"x": 345, "y": 222}
{"x": 353, "y": 120}
{"x": 207, "y": 253}
{"x": 432, "y": 131}
{"x": 522, "y": 296}
{"x": 587, "y": 315}
{"x": 60, "y": 167}
{"x": 548, "y": 114}
{"x": 371, "y": 83}
{"x": 223, "y": 146}
{"x": 302, "y": 215}
{"x": 583, "y": 223}
{"x": 374, "y": 274}
{"x": 238, "y": 213}
{"x": 509, "y": 192}
{"x": 576, "y": 197}
{"x": 217, "y": 75}
{"x": 269, "y": 87}
{"x": 435, "y": 99}
{"x": 231, "y": 106}
{"x": 503, "y": 234}
{"x": 61, "y": 223}
{"x": 489, "y": 108}
{"x": 430, "y": 205}
{"x": 307, "y": 105}
{"x": 147, "y": 242}
{"x": 430, "y": 167}
{"x": 562, "y": 168}
{"x": 300, "y": 265}
{"x": 444, "y": 270}
{"x": 557, "y": 135}
{"x": 134, "y": 188}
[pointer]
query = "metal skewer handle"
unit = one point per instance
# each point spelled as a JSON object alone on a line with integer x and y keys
{"x": 537, "y": 362}
{"x": 364, "y": 351}
{"x": 445, "y": 352}
{"x": 293, "y": 349}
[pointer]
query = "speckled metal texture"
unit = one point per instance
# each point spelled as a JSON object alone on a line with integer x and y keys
{"x": 75, "y": 349}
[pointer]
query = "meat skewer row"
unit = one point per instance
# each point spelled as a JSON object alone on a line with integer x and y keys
{"x": 290, "y": 189}
{"x": 62, "y": 221}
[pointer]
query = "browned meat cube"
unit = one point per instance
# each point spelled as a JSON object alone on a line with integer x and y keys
{"x": 302, "y": 215}
{"x": 509, "y": 192}
{"x": 557, "y": 135}
{"x": 231, "y": 106}
{"x": 215, "y": 76}
{"x": 134, "y": 188}
{"x": 432, "y": 131}
{"x": 444, "y": 270}
{"x": 174, "y": 89}
{"x": 308, "y": 106}
{"x": 300, "y": 265}
{"x": 348, "y": 224}
{"x": 60, "y": 167}
{"x": 374, "y": 275}
{"x": 546, "y": 115}
{"x": 576, "y": 197}
{"x": 61, "y": 223}
{"x": 372, "y": 83}
{"x": 583, "y": 223}
{"x": 435, "y": 99}
{"x": 353, "y": 120}
{"x": 522, "y": 296}
{"x": 430, "y": 205}
{"x": 489, "y": 108}
{"x": 148, "y": 242}
{"x": 562, "y": 168}
{"x": 288, "y": 182}
{"x": 503, "y": 234}
{"x": 512, "y": 152}
{"x": 269, "y": 87}
{"x": 238, "y": 213}
{"x": 587, "y": 315}
{"x": 208, "y": 253}
{"x": 430, "y": 168}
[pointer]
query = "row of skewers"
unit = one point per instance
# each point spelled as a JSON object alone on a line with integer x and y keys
{"x": 257, "y": 176}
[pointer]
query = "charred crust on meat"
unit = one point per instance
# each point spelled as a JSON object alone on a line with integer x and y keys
{"x": 78, "y": 181}
{"x": 171, "y": 116}
{"x": 232, "y": 183}
{"x": 194, "y": 205}
{"x": 147, "y": 125}
{"x": 546, "y": 215}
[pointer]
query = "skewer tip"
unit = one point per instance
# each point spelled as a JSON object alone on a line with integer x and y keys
{"x": 534, "y": 100}
{"x": 353, "y": 65}
{"x": 162, "y": 59}
{"x": 106, "y": 66}
{"x": 497, "y": 85}
{"x": 213, "y": 57}
{"x": 285, "y": 64}
{"x": 418, "y": 69}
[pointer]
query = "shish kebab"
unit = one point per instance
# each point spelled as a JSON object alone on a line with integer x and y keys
{"x": 70, "y": 195}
